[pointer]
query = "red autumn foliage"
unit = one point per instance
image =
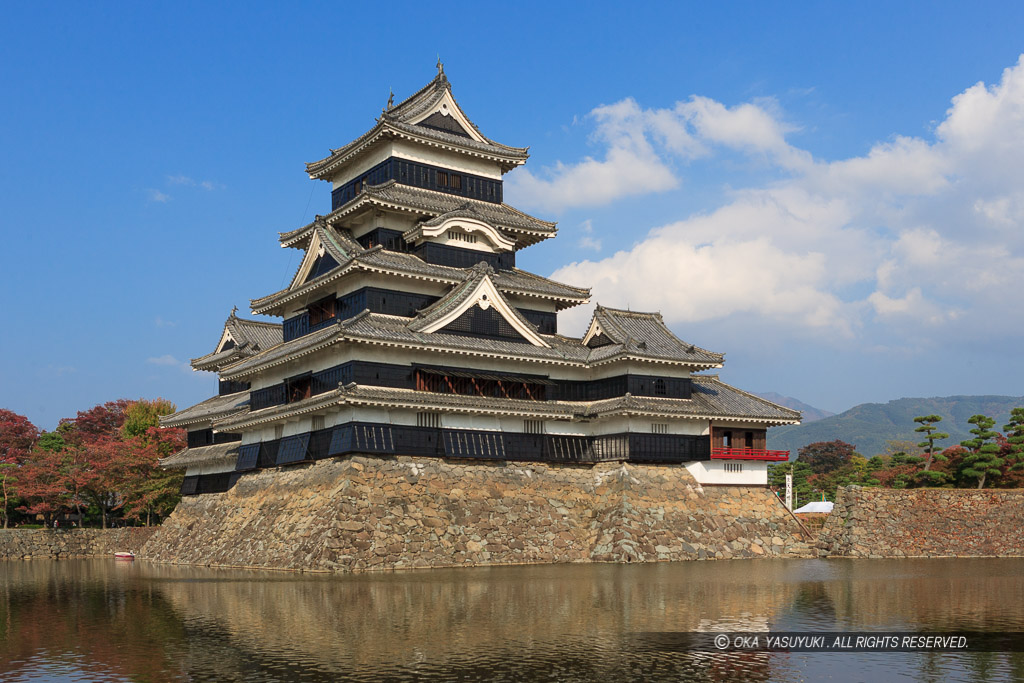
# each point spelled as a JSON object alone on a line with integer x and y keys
{"x": 17, "y": 437}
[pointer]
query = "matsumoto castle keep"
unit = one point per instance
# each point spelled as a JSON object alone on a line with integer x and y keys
{"x": 409, "y": 330}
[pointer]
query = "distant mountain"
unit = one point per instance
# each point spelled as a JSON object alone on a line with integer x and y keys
{"x": 810, "y": 412}
{"x": 870, "y": 425}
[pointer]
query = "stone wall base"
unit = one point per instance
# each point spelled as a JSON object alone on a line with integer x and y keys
{"x": 876, "y": 522}
{"x": 24, "y": 544}
{"x": 374, "y": 513}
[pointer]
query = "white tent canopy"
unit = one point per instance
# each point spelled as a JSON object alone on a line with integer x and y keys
{"x": 816, "y": 506}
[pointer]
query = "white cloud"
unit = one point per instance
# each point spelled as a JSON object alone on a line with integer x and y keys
{"x": 157, "y": 196}
{"x": 186, "y": 181}
{"x": 588, "y": 241}
{"x": 630, "y": 166}
{"x": 160, "y": 322}
{"x": 166, "y": 359}
{"x": 915, "y": 234}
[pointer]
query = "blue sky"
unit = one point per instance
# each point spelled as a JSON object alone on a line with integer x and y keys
{"x": 825, "y": 193}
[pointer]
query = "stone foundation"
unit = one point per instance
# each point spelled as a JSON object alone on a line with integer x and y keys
{"x": 376, "y": 513}
{"x": 876, "y": 522}
{"x": 24, "y": 544}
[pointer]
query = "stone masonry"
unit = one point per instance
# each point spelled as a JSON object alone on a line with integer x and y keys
{"x": 876, "y": 522}
{"x": 375, "y": 513}
{"x": 18, "y": 544}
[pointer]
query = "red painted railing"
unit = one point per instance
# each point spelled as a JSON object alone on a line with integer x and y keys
{"x": 748, "y": 454}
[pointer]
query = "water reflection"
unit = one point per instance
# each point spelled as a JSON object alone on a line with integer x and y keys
{"x": 96, "y": 619}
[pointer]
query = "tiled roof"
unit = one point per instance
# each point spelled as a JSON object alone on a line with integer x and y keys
{"x": 398, "y": 120}
{"x": 512, "y": 281}
{"x": 377, "y": 328}
{"x": 354, "y": 394}
{"x": 285, "y": 352}
{"x": 633, "y": 333}
{"x": 249, "y": 337}
{"x": 211, "y": 409}
{"x": 711, "y": 398}
{"x": 458, "y": 295}
{"x": 527, "y": 228}
{"x": 218, "y": 454}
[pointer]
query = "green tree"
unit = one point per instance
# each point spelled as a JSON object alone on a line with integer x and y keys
{"x": 983, "y": 461}
{"x": 802, "y": 490}
{"x": 148, "y": 489}
{"x": 931, "y": 435}
{"x": 1014, "y": 431}
{"x": 140, "y": 415}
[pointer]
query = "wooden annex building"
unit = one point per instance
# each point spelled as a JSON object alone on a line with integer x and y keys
{"x": 409, "y": 330}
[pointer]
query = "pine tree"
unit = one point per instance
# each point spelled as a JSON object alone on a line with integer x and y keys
{"x": 1015, "y": 437}
{"x": 983, "y": 461}
{"x": 928, "y": 428}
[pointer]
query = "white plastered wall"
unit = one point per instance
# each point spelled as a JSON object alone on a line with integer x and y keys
{"x": 754, "y": 473}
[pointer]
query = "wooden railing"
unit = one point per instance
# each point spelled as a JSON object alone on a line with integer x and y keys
{"x": 748, "y": 454}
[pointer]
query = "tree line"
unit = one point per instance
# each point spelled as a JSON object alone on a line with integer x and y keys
{"x": 97, "y": 468}
{"x": 989, "y": 459}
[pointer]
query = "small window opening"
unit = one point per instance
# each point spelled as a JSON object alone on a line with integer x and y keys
{"x": 428, "y": 420}
{"x": 533, "y": 426}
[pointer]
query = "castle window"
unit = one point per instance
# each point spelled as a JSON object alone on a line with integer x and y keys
{"x": 321, "y": 311}
{"x": 299, "y": 388}
{"x": 318, "y": 422}
{"x": 428, "y": 420}
{"x": 533, "y": 426}
{"x": 733, "y": 467}
{"x": 659, "y": 387}
{"x": 456, "y": 181}
{"x": 748, "y": 440}
{"x": 442, "y": 179}
{"x": 461, "y": 236}
{"x": 659, "y": 428}
{"x": 278, "y": 431}
{"x": 726, "y": 439}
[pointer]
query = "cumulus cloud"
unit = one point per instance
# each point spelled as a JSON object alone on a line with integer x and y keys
{"x": 630, "y": 166}
{"x": 640, "y": 145}
{"x": 916, "y": 237}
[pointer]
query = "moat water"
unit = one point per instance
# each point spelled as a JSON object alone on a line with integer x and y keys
{"x": 102, "y": 620}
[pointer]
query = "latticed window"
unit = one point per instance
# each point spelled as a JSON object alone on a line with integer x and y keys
{"x": 461, "y": 236}
{"x": 278, "y": 431}
{"x": 318, "y": 422}
{"x": 733, "y": 467}
{"x": 659, "y": 387}
{"x": 533, "y": 426}
{"x": 659, "y": 428}
{"x": 428, "y": 420}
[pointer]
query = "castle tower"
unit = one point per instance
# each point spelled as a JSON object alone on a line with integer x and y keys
{"x": 408, "y": 329}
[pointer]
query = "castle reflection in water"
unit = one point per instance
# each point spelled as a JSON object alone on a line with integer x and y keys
{"x": 96, "y": 619}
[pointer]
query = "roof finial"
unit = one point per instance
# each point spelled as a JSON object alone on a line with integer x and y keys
{"x": 233, "y": 311}
{"x": 391, "y": 98}
{"x": 440, "y": 66}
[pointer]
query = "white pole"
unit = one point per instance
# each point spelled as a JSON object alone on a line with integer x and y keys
{"x": 789, "y": 490}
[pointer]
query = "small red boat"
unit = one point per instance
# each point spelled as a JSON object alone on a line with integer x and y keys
{"x": 124, "y": 556}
